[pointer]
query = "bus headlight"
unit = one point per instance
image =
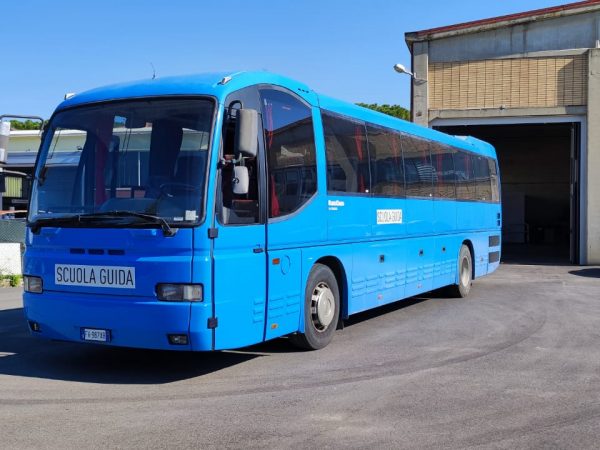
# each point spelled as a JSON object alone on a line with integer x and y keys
{"x": 179, "y": 292}
{"x": 33, "y": 284}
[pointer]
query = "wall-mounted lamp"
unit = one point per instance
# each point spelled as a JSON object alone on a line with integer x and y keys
{"x": 401, "y": 69}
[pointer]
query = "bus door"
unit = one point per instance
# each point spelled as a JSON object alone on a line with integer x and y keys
{"x": 295, "y": 217}
{"x": 239, "y": 255}
{"x": 239, "y": 284}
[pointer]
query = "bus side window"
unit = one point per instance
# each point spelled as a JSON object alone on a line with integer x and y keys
{"x": 419, "y": 172}
{"x": 387, "y": 167}
{"x": 483, "y": 186}
{"x": 465, "y": 179}
{"x": 347, "y": 155}
{"x": 291, "y": 154}
{"x": 441, "y": 157}
{"x": 494, "y": 180}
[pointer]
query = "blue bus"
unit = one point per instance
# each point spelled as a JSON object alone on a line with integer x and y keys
{"x": 218, "y": 211}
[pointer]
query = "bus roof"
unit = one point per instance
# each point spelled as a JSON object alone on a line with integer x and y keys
{"x": 218, "y": 85}
{"x": 221, "y": 84}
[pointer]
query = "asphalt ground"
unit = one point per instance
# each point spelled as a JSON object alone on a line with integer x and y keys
{"x": 514, "y": 365}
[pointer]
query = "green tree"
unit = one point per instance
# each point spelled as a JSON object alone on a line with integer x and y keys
{"x": 391, "y": 110}
{"x": 25, "y": 124}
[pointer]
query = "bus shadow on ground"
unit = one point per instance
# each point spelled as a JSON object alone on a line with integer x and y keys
{"x": 23, "y": 355}
{"x": 390, "y": 307}
{"x": 588, "y": 273}
{"x": 26, "y": 356}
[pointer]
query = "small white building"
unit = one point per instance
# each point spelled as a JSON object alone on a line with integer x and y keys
{"x": 22, "y": 150}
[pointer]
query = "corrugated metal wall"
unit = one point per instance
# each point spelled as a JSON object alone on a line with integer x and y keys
{"x": 14, "y": 187}
{"x": 509, "y": 83}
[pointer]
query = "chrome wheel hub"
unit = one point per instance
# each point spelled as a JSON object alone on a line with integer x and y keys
{"x": 465, "y": 272}
{"x": 322, "y": 306}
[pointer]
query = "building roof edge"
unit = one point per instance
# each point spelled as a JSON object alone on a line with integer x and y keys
{"x": 501, "y": 21}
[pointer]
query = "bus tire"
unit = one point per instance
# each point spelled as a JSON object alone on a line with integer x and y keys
{"x": 321, "y": 309}
{"x": 465, "y": 274}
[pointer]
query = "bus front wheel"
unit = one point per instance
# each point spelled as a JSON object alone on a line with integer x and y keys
{"x": 465, "y": 274}
{"x": 321, "y": 309}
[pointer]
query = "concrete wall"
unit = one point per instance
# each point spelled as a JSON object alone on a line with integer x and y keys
{"x": 592, "y": 164}
{"x": 420, "y": 67}
{"x": 563, "y": 33}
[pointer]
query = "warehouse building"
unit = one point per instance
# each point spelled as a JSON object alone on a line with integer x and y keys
{"x": 528, "y": 83}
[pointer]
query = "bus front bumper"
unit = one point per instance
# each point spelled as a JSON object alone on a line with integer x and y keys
{"x": 127, "y": 321}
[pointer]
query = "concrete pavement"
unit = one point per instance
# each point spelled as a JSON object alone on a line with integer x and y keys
{"x": 516, "y": 364}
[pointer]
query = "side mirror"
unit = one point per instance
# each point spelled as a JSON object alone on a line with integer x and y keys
{"x": 241, "y": 180}
{"x": 246, "y": 133}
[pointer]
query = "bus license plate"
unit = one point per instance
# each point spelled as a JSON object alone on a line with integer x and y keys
{"x": 95, "y": 334}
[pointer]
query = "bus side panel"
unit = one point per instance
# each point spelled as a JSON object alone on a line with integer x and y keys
{"x": 379, "y": 268}
{"x": 481, "y": 246}
{"x": 419, "y": 252}
{"x": 419, "y": 265}
{"x": 494, "y": 236}
{"x": 495, "y": 253}
{"x": 285, "y": 292}
{"x": 444, "y": 216}
{"x": 378, "y": 274}
{"x": 445, "y": 255}
{"x": 446, "y": 250}
{"x": 466, "y": 216}
{"x": 418, "y": 216}
{"x": 304, "y": 227}
{"x": 481, "y": 216}
{"x": 349, "y": 217}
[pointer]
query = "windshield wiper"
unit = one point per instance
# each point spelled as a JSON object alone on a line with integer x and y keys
{"x": 45, "y": 221}
{"x": 79, "y": 218}
{"x": 164, "y": 226}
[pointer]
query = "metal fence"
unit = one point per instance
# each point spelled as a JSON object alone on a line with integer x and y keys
{"x": 12, "y": 245}
{"x": 12, "y": 231}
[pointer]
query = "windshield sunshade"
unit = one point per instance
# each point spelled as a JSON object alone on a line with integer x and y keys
{"x": 142, "y": 156}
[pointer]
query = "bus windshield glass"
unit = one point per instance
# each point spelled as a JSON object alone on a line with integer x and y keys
{"x": 103, "y": 161}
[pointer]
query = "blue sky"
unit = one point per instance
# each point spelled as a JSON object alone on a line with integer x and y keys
{"x": 341, "y": 48}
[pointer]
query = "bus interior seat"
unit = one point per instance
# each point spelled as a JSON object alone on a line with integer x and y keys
{"x": 165, "y": 146}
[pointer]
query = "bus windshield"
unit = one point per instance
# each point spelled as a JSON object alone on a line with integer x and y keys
{"x": 139, "y": 156}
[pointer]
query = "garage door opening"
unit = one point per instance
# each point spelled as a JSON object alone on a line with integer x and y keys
{"x": 538, "y": 165}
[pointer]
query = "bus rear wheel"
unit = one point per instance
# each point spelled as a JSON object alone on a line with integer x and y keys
{"x": 465, "y": 274}
{"x": 321, "y": 309}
